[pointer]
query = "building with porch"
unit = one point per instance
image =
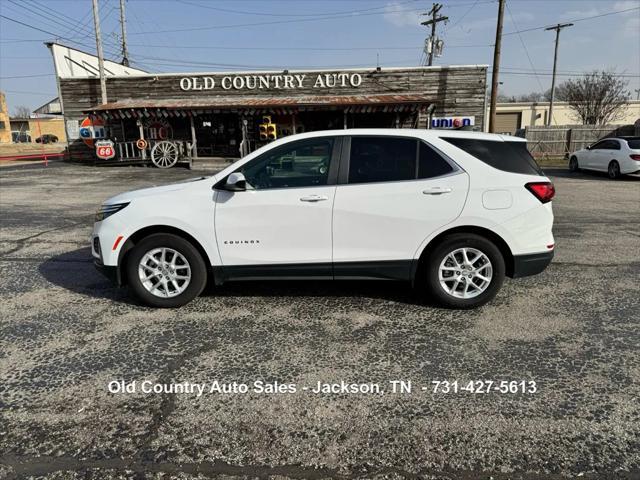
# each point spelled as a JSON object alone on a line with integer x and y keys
{"x": 196, "y": 115}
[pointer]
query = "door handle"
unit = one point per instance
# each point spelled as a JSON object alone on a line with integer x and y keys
{"x": 314, "y": 198}
{"x": 437, "y": 190}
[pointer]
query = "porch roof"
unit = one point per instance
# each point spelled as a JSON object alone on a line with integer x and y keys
{"x": 133, "y": 108}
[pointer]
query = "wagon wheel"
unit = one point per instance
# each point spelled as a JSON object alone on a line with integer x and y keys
{"x": 164, "y": 154}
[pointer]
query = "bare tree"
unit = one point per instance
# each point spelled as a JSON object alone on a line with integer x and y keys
{"x": 597, "y": 98}
{"x": 21, "y": 112}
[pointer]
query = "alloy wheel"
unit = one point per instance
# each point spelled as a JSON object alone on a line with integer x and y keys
{"x": 164, "y": 272}
{"x": 465, "y": 273}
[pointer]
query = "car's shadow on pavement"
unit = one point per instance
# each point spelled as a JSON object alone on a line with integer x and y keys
{"x": 587, "y": 175}
{"x": 75, "y": 271}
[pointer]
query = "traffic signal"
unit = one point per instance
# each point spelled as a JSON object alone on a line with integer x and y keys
{"x": 268, "y": 130}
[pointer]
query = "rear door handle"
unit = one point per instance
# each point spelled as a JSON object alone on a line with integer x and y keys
{"x": 437, "y": 190}
{"x": 314, "y": 198}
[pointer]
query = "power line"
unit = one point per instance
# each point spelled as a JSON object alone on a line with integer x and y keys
{"x": 574, "y": 20}
{"x": 349, "y": 12}
{"x": 319, "y": 49}
{"x": 524, "y": 46}
{"x": 273, "y": 22}
{"x": 55, "y": 35}
{"x": 32, "y": 93}
{"x": 457, "y": 22}
{"x": 29, "y": 76}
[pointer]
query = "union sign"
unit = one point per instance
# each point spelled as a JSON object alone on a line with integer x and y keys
{"x": 453, "y": 122}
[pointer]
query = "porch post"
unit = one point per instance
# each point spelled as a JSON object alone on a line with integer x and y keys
{"x": 141, "y": 130}
{"x": 194, "y": 141}
{"x": 293, "y": 123}
{"x": 344, "y": 119}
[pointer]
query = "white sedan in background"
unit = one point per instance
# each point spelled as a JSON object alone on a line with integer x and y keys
{"x": 616, "y": 156}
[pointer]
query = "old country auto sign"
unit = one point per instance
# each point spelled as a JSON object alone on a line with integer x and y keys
{"x": 275, "y": 81}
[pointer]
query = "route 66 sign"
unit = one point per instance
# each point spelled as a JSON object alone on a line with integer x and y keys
{"x": 105, "y": 150}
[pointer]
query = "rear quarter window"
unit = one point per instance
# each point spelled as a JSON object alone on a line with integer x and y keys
{"x": 634, "y": 143}
{"x": 506, "y": 156}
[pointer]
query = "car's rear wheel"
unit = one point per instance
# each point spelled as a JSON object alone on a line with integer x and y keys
{"x": 573, "y": 164}
{"x": 613, "y": 169}
{"x": 166, "y": 271}
{"x": 465, "y": 271}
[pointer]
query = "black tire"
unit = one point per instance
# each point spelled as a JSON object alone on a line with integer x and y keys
{"x": 573, "y": 164}
{"x": 187, "y": 250}
{"x": 450, "y": 244}
{"x": 613, "y": 170}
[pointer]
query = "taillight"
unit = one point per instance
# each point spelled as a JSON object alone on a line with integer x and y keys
{"x": 635, "y": 156}
{"x": 543, "y": 191}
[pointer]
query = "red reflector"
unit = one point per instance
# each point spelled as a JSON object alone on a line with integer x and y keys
{"x": 543, "y": 191}
{"x": 635, "y": 156}
{"x": 551, "y": 246}
{"x": 117, "y": 242}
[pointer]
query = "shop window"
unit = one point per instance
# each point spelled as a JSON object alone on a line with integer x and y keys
{"x": 382, "y": 159}
{"x": 300, "y": 164}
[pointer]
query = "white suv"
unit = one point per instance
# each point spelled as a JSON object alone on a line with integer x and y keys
{"x": 450, "y": 212}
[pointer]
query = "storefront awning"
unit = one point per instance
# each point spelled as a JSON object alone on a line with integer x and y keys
{"x": 136, "y": 108}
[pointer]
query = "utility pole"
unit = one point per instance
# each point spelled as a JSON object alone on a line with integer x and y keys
{"x": 637, "y": 90}
{"x": 557, "y": 28}
{"x": 96, "y": 24}
{"x": 496, "y": 68}
{"x": 123, "y": 27}
{"x": 433, "y": 13}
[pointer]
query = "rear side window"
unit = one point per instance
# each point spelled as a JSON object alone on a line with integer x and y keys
{"x": 382, "y": 159}
{"x": 431, "y": 164}
{"x": 507, "y": 156}
{"x": 393, "y": 159}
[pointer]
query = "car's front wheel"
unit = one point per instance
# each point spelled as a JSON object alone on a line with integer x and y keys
{"x": 166, "y": 271}
{"x": 573, "y": 164}
{"x": 465, "y": 271}
{"x": 613, "y": 170}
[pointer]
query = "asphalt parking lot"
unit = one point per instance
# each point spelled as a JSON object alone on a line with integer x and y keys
{"x": 65, "y": 333}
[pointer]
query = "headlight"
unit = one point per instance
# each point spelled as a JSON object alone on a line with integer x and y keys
{"x": 108, "y": 210}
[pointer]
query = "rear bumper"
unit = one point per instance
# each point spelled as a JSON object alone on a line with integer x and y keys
{"x": 526, "y": 265}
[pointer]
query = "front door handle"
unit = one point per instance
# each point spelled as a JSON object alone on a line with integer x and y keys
{"x": 314, "y": 198}
{"x": 437, "y": 190}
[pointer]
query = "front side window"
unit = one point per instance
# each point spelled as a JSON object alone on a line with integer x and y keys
{"x": 299, "y": 164}
{"x": 382, "y": 159}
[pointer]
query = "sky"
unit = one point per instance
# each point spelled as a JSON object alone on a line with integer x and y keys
{"x": 240, "y": 35}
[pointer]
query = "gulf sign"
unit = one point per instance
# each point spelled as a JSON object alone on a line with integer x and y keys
{"x": 453, "y": 122}
{"x": 91, "y": 130}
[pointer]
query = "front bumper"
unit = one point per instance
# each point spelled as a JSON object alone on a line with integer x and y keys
{"x": 111, "y": 272}
{"x": 526, "y": 265}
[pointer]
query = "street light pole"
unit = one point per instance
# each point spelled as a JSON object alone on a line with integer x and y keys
{"x": 557, "y": 28}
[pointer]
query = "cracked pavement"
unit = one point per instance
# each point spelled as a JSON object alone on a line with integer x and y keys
{"x": 65, "y": 333}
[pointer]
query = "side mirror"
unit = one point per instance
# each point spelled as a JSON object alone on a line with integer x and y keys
{"x": 236, "y": 182}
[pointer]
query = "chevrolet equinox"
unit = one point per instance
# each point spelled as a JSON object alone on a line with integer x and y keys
{"x": 449, "y": 212}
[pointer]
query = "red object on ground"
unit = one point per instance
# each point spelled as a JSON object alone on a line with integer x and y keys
{"x": 33, "y": 156}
